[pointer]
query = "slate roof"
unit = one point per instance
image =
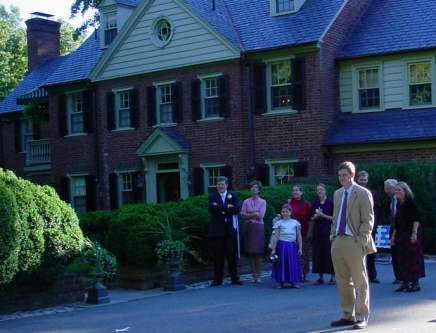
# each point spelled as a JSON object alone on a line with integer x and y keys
{"x": 385, "y": 126}
{"x": 254, "y": 29}
{"x": 174, "y": 135}
{"x": 70, "y": 68}
{"x": 392, "y": 26}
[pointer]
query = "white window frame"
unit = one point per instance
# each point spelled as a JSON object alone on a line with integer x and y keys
{"x": 407, "y": 63}
{"x": 206, "y": 167}
{"x": 203, "y": 97}
{"x": 274, "y": 9}
{"x": 26, "y": 136}
{"x": 355, "y": 86}
{"x": 108, "y": 17}
{"x": 153, "y": 33}
{"x": 158, "y": 85}
{"x": 118, "y": 93}
{"x": 120, "y": 189}
{"x": 271, "y": 168}
{"x": 270, "y": 109}
{"x": 72, "y": 178}
{"x": 70, "y": 112}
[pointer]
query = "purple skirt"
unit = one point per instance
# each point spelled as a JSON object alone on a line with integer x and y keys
{"x": 410, "y": 257}
{"x": 288, "y": 270}
{"x": 254, "y": 238}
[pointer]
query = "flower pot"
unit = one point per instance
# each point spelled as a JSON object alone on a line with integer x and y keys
{"x": 174, "y": 280}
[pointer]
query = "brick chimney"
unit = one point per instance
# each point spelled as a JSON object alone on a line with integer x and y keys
{"x": 43, "y": 39}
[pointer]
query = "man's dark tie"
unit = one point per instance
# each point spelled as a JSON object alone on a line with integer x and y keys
{"x": 343, "y": 218}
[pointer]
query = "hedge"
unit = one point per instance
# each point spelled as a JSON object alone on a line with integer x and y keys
{"x": 48, "y": 235}
{"x": 421, "y": 177}
{"x": 9, "y": 235}
{"x": 130, "y": 232}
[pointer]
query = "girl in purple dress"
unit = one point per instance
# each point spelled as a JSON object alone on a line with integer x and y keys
{"x": 287, "y": 244}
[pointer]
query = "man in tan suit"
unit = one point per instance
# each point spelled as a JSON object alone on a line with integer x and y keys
{"x": 353, "y": 220}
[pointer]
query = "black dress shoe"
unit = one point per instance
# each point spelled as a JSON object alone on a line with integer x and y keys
{"x": 374, "y": 281}
{"x": 396, "y": 281}
{"x": 236, "y": 283}
{"x": 216, "y": 284}
{"x": 413, "y": 288}
{"x": 359, "y": 325}
{"x": 403, "y": 287}
{"x": 342, "y": 322}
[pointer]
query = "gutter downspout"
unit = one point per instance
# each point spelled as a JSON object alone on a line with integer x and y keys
{"x": 250, "y": 119}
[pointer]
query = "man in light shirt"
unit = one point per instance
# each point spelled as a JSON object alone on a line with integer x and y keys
{"x": 353, "y": 220}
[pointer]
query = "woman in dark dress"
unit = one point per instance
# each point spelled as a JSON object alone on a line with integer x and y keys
{"x": 322, "y": 215}
{"x": 407, "y": 239}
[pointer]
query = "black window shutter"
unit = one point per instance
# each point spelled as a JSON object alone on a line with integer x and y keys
{"x": 298, "y": 84}
{"x": 110, "y": 105}
{"x": 196, "y": 99}
{"x": 226, "y": 171}
{"x": 63, "y": 115}
{"x": 91, "y": 193}
{"x": 301, "y": 169}
{"x": 151, "y": 106}
{"x": 64, "y": 190}
{"x": 113, "y": 190}
{"x": 262, "y": 173}
{"x": 88, "y": 111}
{"x": 176, "y": 98}
{"x": 223, "y": 86}
{"x": 198, "y": 181}
{"x": 138, "y": 187}
{"x": 17, "y": 130}
{"x": 259, "y": 87}
{"x": 134, "y": 108}
{"x": 36, "y": 127}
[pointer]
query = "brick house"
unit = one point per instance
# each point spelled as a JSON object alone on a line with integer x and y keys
{"x": 169, "y": 94}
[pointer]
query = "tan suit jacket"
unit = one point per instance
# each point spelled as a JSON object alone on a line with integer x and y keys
{"x": 360, "y": 216}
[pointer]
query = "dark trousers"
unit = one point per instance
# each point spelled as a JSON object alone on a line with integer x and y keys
{"x": 370, "y": 266}
{"x": 224, "y": 248}
{"x": 394, "y": 256}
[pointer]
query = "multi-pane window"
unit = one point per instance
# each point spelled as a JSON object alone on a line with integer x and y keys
{"x": 210, "y": 97}
{"x": 283, "y": 173}
{"x": 284, "y": 6}
{"x": 165, "y": 105}
{"x": 110, "y": 30}
{"x": 369, "y": 88}
{"x": 420, "y": 86}
{"x": 123, "y": 109}
{"x": 76, "y": 113}
{"x": 281, "y": 88}
{"x": 26, "y": 133}
{"x": 126, "y": 188}
{"x": 212, "y": 175}
{"x": 78, "y": 194}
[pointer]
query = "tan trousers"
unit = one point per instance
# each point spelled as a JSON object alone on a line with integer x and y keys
{"x": 351, "y": 277}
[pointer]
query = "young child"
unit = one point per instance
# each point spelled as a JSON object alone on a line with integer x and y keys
{"x": 287, "y": 244}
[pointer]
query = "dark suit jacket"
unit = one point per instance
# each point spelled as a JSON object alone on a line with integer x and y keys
{"x": 221, "y": 216}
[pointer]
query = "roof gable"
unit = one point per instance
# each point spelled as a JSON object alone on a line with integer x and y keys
{"x": 193, "y": 42}
{"x": 163, "y": 141}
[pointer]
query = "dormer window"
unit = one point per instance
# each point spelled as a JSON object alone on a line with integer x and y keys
{"x": 283, "y": 6}
{"x": 110, "y": 30}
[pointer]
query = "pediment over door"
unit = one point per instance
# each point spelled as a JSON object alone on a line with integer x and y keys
{"x": 163, "y": 142}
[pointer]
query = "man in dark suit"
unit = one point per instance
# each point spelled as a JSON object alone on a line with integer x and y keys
{"x": 362, "y": 180}
{"x": 223, "y": 232}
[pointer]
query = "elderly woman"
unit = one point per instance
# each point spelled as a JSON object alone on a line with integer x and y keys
{"x": 407, "y": 240}
{"x": 253, "y": 212}
{"x": 302, "y": 212}
{"x": 322, "y": 216}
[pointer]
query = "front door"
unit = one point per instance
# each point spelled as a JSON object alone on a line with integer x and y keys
{"x": 168, "y": 186}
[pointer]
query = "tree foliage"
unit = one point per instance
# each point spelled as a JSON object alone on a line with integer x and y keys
{"x": 13, "y": 47}
{"x": 83, "y": 7}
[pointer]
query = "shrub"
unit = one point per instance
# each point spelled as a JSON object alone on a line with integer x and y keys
{"x": 9, "y": 235}
{"x": 95, "y": 225}
{"x": 48, "y": 235}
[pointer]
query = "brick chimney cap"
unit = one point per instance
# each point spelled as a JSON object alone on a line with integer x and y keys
{"x": 42, "y": 15}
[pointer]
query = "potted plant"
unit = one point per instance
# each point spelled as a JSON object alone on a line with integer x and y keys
{"x": 172, "y": 251}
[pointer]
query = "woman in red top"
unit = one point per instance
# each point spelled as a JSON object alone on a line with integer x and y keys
{"x": 302, "y": 212}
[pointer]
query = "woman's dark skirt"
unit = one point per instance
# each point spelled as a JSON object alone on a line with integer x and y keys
{"x": 288, "y": 269}
{"x": 321, "y": 255}
{"x": 254, "y": 238}
{"x": 410, "y": 257}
